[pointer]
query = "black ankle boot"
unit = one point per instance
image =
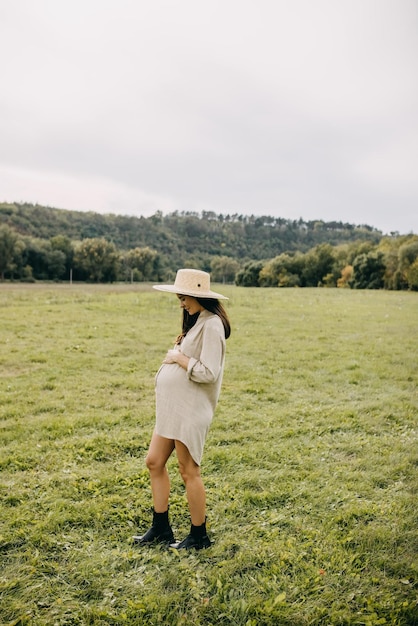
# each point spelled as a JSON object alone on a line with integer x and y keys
{"x": 160, "y": 531}
{"x": 197, "y": 539}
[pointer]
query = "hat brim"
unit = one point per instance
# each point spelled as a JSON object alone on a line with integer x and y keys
{"x": 194, "y": 294}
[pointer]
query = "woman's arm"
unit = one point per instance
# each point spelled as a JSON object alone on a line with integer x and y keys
{"x": 208, "y": 365}
{"x": 205, "y": 368}
{"x": 175, "y": 356}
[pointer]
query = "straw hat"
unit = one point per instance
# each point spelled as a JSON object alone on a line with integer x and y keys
{"x": 192, "y": 283}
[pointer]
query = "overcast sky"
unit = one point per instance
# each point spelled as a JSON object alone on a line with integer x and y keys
{"x": 289, "y": 108}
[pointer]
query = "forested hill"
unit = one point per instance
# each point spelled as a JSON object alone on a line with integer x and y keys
{"x": 179, "y": 234}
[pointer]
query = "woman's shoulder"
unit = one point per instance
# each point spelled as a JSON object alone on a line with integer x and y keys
{"x": 207, "y": 317}
{"x": 211, "y": 320}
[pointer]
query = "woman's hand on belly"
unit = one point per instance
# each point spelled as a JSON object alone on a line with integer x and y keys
{"x": 175, "y": 356}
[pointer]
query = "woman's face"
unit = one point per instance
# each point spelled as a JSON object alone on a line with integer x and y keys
{"x": 190, "y": 304}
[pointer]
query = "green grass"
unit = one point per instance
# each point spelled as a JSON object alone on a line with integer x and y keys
{"x": 310, "y": 465}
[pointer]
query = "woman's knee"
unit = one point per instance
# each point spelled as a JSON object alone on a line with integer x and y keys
{"x": 158, "y": 453}
{"x": 189, "y": 471}
{"x": 154, "y": 462}
{"x": 188, "y": 468}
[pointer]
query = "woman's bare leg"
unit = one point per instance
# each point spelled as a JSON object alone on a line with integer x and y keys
{"x": 159, "y": 452}
{"x": 195, "y": 490}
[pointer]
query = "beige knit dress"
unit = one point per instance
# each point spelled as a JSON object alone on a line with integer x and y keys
{"x": 186, "y": 400}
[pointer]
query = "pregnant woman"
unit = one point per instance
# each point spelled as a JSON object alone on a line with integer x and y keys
{"x": 187, "y": 387}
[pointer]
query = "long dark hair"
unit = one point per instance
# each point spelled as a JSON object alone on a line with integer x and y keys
{"x": 213, "y": 306}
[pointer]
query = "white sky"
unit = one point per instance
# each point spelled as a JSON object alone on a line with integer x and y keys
{"x": 288, "y": 108}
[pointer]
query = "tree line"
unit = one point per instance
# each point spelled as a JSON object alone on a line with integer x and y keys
{"x": 42, "y": 243}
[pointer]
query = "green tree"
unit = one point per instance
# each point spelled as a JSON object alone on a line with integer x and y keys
{"x": 33, "y": 257}
{"x": 319, "y": 264}
{"x": 63, "y": 244}
{"x": 142, "y": 263}
{"x": 355, "y": 248}
{"x": 249, "y": 275}
{"x": 46, "y": 262}
{"x": 224, "y": 269}
{"x": 284, "y": 270}
{"x": 9, "y": 247}
{"x": 368, "y": 271}
{"x": 55, "y": 261}
{"x": 412, "y": 276}
{"x": 407, "y": 261}
{"x": 399, "y": 253}
{"x": 269, "y": 274}
{"x": 97, "y": 260}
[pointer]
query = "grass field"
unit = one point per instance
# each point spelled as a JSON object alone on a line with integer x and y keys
{"x": 310, "y": 465}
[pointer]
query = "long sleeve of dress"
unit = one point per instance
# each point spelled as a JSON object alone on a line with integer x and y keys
{"x": 208, "y": 367}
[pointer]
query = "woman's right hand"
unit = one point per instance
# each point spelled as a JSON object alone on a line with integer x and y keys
{"x": 175, "y": 356}
{"x": 171, "y": 356}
